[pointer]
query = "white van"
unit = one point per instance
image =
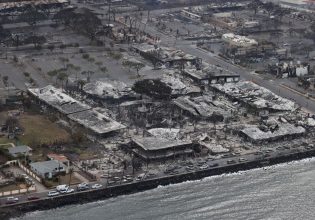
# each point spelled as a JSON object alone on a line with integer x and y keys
{"x": 62, "y": 188}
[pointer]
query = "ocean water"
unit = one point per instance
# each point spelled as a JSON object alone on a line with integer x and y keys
{"x": 285, "y": 191}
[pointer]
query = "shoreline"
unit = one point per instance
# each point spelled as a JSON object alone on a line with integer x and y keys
{"x": 19, "y": 209}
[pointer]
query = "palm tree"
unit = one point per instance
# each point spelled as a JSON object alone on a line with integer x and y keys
{"x": 81, "y": 83}
{"x": 70, "y": 175}
{"x": 62, "y": 76}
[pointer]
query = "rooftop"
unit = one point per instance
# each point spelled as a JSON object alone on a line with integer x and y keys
{"x": 239, "y": 40}
{"x": 58, "y": 99}
{"x": 95, "y": 121}
{"x": 285, "y": 129}
{"x": 164, "y": 53}
{"x": 76, "y": 111}
{"x": 157, "y": 143}
{"x": 58, "y": 157}
{"x": 47, "y": 166}
{"x": 256, "y": 96}
{"x": 209, "y": 71}
{"x": 167, "y": 133}
{"x": 179, "y": 85}
{"x": 19, "y": 149}
{"x": 104, "y": 88}
{"x": 201, "y": 106}
{"x": 19, "y": 4}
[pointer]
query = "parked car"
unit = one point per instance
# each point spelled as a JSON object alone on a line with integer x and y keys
{"x": 231, "y": 161}
{"x": 11, "y": 200}
{"x": 140, "y": 176}
{"x": 32, "y": 198}
{"x": 214, "y": 165}
{"x": 83, "y": 186}
{"x": 204, "y": 166}
{"x": 242, "y": 159}
{"x": 53, "y": 193}
{"x": 70, "y": 190}
{"x": 97, "y": 186}
{"x": 62, "y": 188}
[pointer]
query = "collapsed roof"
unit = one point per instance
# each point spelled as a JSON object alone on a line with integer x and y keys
{"x": 167, "y": 133}
{"x": 208, "y": 72}
{"x": 158, "y": 143}
{"x": 178, "y": 85}
{"x": 201, "y": 106}
{"x": 255, "y": 133}
{"x": 7, "y": 6}
{"x": 164, "y": 53}
{"x": 255, "y": 96}
{"x": 75, "y": 110}
{"x": 95, "y": 121}
{"x": 58, "y": 100}
{"x": 104, "y": 88}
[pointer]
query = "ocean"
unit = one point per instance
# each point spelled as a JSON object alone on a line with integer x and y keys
{"x": 285, "y": 191}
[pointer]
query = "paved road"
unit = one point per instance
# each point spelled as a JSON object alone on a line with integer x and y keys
{"x": 208, "y": 57}
{"x": 207, "y": 163}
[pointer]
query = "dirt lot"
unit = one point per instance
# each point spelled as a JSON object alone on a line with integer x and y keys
{"x": 11, "y": 187}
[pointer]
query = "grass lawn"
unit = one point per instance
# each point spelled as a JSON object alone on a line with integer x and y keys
{"x": 38, "y": 129}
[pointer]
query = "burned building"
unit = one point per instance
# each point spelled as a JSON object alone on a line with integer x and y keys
{"x": 211, "y": 74}
{"x": 109, "y": 90}
{"x": 76, "y": 112}
{"x": 261, "y": 133}
{"x": 155, "y": 148}
{"x": 202, "y": 107}
{"x": 256, "y": 98}
{"x": 179, "y": 84}
{"x": 169, "y": 57}
{"x": 20, "y": 6}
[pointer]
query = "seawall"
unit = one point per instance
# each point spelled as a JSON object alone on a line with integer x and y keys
{"x": 18, "y": 209}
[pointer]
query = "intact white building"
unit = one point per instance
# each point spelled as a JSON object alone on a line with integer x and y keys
{"x": 238, "y": 40}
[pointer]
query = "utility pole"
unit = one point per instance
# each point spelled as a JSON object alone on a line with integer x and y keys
{"x": 109, "y": 5}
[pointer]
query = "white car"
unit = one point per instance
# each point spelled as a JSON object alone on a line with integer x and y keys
{"x": 11, "y": 200}
{"x": 62, "y": 188}
{"x": 203, "y": 167}
{"x": 70, "y": 190}
{"x": 53, "y": 193}
{"x": 83, "y": 186}
{"x": 96, "y": 186}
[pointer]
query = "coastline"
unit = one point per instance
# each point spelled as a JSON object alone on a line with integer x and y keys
{"x": 18, "y": 209}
